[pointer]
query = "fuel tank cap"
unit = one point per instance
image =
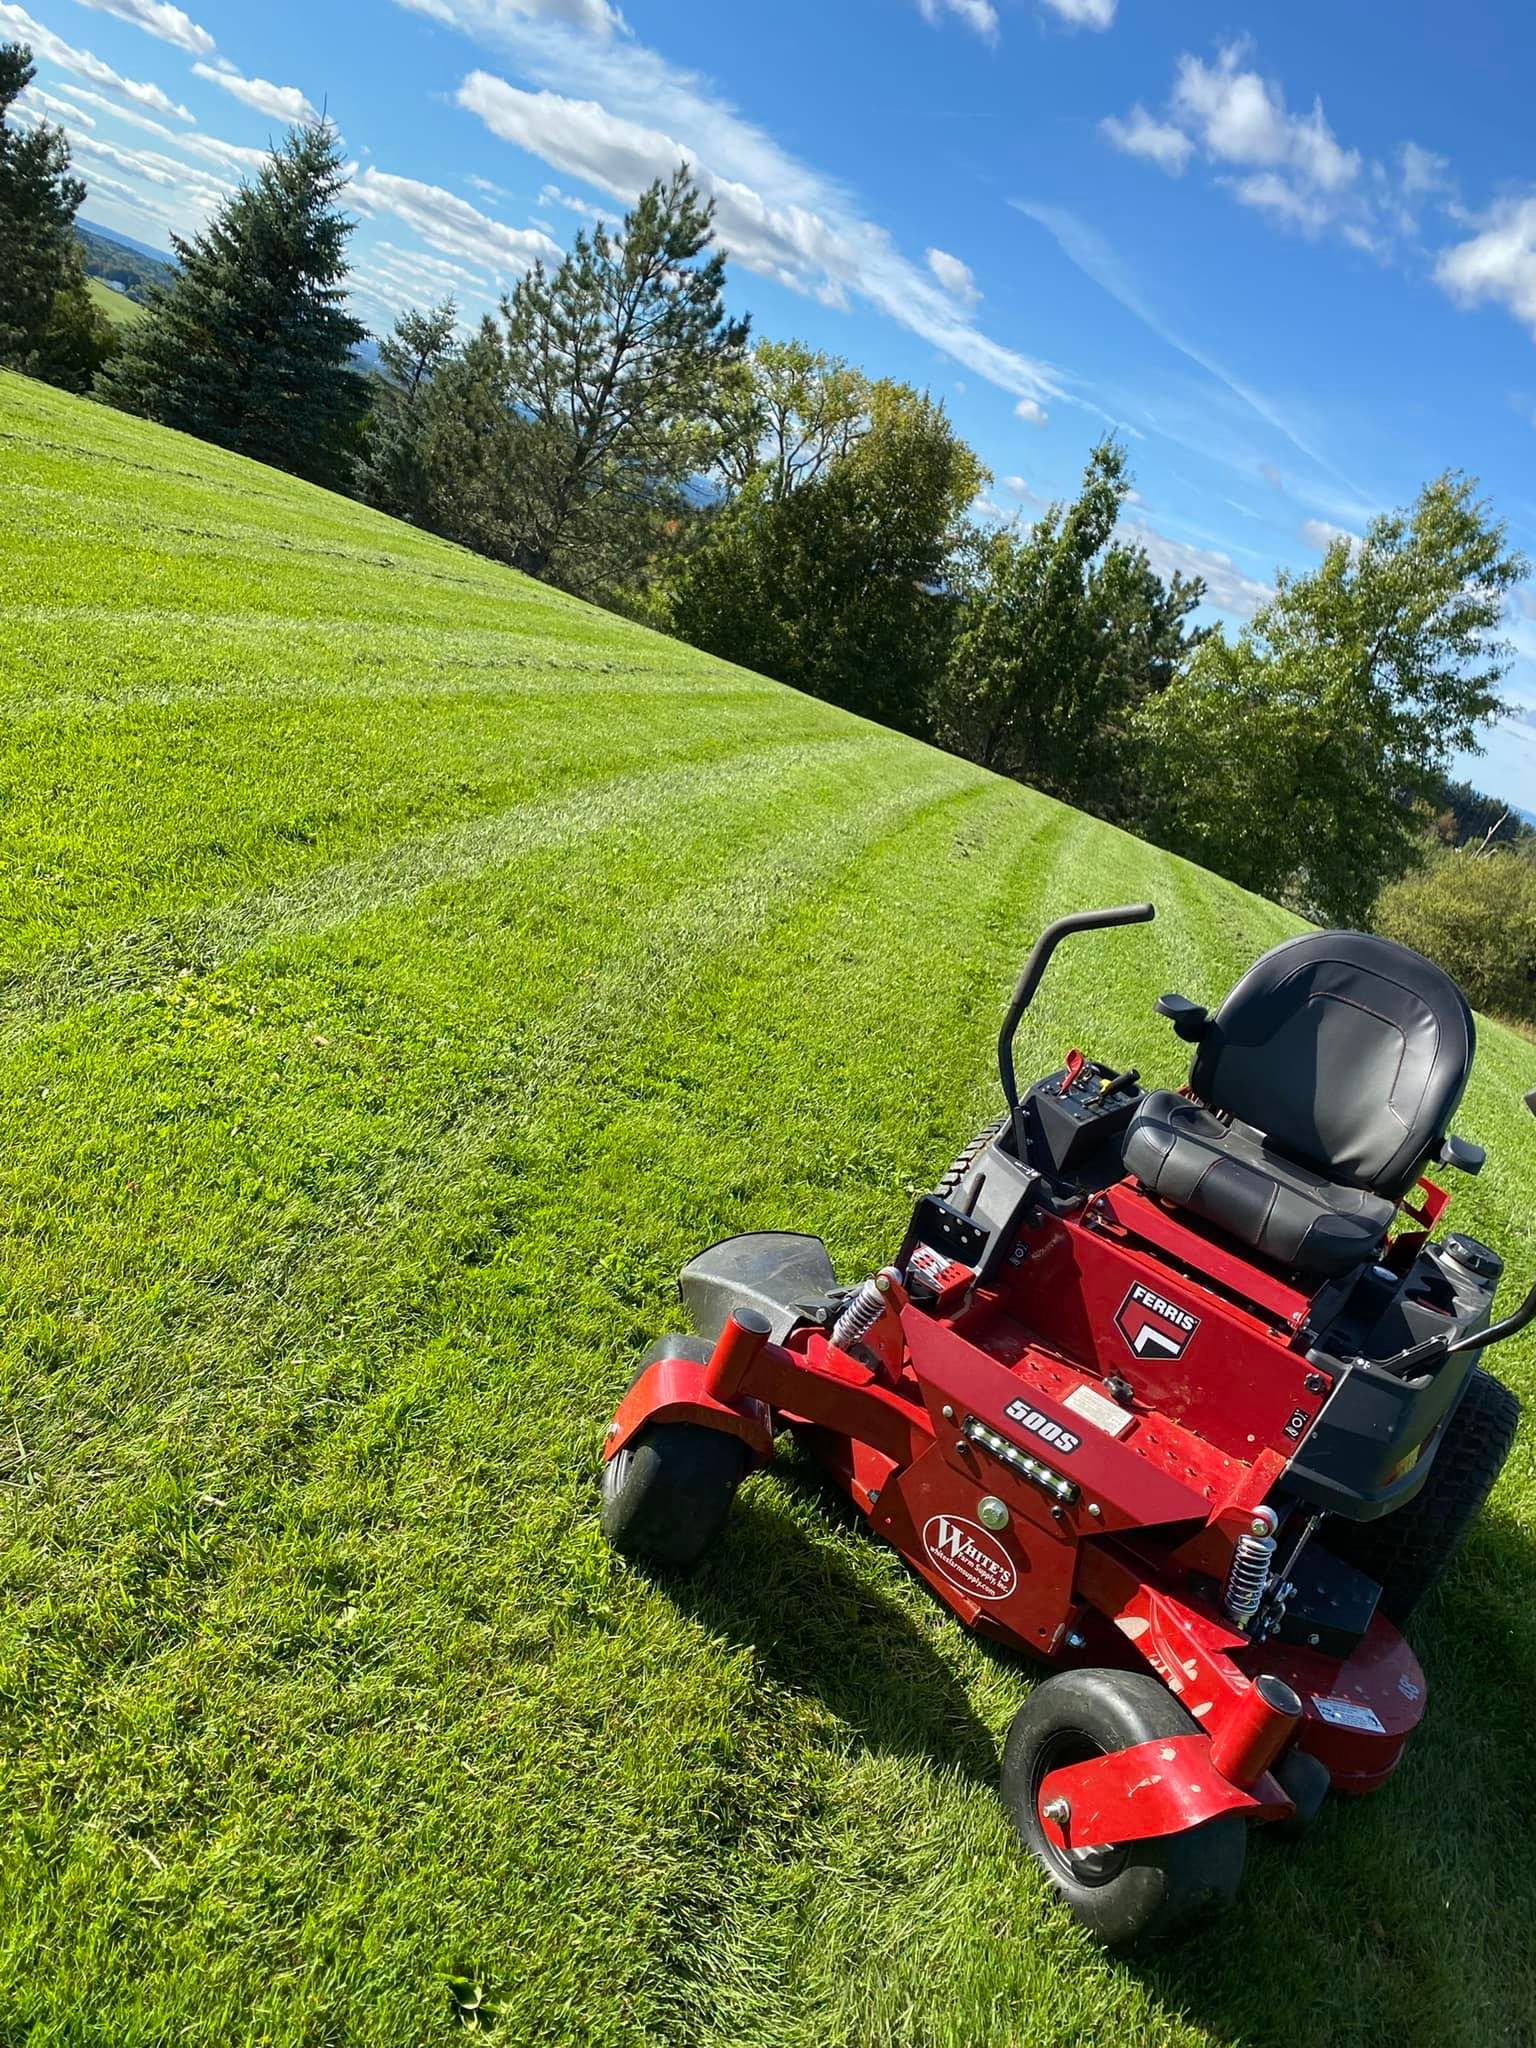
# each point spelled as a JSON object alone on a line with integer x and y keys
{"x": 1472, "y": 1256}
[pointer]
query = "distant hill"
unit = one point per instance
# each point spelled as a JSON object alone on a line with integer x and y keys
{"x": 132, "y": 266}
{"x": 115, "y": 303}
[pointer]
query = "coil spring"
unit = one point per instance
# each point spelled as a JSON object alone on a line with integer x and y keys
{"x": 860, "y": 1316}
{"x": 1248, "y": 1576}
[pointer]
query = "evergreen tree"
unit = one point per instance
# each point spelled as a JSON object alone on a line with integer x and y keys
{"x": 613, "y": 364}
{"x": 1064, "y": 634}
{"x": 391, "y": 472}
{"x": 251, "y": 345}
{"x": 48, "y": 326}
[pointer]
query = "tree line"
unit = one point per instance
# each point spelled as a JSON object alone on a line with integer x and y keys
{"x": 612, "y": 430}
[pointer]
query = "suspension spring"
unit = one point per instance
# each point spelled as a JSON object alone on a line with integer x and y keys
{"x": 861, "y": 1314}
{"x": 1253, "y": 1557}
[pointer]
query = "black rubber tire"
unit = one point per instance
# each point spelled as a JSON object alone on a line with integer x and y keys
{"x": 667, "y": 1493}
{"x": 950, "y": 1181}
{"x": 1152, "y": 1890}
{"x": 1307, "y": 1784}
{"x": 1407, "y": 1552}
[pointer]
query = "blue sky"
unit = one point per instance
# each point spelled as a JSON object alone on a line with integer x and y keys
{"x": 1288, "y": 253}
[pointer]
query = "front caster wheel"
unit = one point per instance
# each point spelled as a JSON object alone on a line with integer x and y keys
{"x": 667, "y": 1493}
{"x": 1138, "y": 1890}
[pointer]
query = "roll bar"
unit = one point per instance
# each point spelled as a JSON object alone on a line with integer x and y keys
{"x": 1029, "y": 981}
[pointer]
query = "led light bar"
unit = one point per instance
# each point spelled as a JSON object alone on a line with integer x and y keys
{"x": 982, "y": 1433}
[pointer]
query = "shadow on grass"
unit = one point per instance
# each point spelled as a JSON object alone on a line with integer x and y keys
{"x": 1406, "y": 1917}
{"x": 821, "y": 1632}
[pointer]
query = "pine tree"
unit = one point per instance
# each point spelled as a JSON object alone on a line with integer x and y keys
{"x": 251, "y": 345}
{"x": 391, "y": 473}
{"x": 47, "y": 325}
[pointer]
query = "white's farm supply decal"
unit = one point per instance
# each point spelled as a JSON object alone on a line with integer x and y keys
{"x": 968, "y": 1557}
{"x": 1153, "y": 1326}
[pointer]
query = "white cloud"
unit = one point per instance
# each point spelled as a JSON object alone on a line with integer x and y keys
{"x": 193, "y": 142}
{"x": 1242, "y": 119}
{"x": 1498, "y": 263}
{"x": 278, "y": 102}
{"x": 551, "y": 195}
{"x": 954, "y": 276}
{"x": 450, "y": 224}
{"x": 159, "y": 18}
{"x": 1322, "y": 533}
{"x": 205, "y": 187}
{"x": 1227, "y": 589}
{"x": 1286, "y": 164}
{"x": 35, "y": 99}
{"x": 774, "y": 214}
{"x": 1141, "y": 134}
{"x": 53, "y": 49}
{"x": 1274, "y": 194}
{"x": 492, "y": 17}
{"x": 1421, "y": 171}
{"x": 1084, "y": 13}
{"x": 979, "y": 15}
{"x": 1031, "y": 412}
{"x": 477, "y": 184}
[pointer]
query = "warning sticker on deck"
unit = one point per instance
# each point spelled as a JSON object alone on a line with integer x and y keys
{"x": 1098, "y": 1409}
{"x": 1348, "y": 1714}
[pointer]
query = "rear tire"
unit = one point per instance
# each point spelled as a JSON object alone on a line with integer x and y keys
{"x": 1143, "y": 1890}
{"x": 1407, "y": 1552}
{"x": 666, "y": 1495}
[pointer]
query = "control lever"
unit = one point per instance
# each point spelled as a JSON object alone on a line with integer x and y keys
{"x": 1119, "y": 1083}
{"x": 1075, "y": 1065}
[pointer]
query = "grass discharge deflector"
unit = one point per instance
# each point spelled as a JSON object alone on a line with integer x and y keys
{"x": 1177, "y": 1391}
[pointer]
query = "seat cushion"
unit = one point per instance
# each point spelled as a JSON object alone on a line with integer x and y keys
{"x": 1228, "y": 1177}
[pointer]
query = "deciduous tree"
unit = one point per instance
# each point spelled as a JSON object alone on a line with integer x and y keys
{"x": 1302, "y": 757}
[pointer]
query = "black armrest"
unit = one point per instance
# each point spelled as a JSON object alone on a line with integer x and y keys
{"x": 1462, "y": 1154}
{"x": 1188, "y": 1019}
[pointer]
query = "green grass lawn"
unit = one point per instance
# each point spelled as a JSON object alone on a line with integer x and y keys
{"x": 405, "y": 969}
{"x": 118, "y": 307}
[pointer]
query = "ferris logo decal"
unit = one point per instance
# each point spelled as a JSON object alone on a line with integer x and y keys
{"x": 1154, "y": 1327}
{"x": 968, "y": 1557}
{"x": 1049, "y": 1432}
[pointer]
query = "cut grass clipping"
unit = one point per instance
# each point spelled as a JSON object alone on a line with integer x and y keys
{"x": 406, "y": 968}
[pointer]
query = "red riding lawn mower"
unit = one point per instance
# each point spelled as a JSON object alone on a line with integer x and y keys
{"x": 1153, "y": 1390}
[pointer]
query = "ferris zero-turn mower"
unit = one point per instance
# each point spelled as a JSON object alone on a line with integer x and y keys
{"x": 1179, "y": 1392}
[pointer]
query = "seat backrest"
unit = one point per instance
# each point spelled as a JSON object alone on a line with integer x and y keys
{"x": 1349, "y": 1053}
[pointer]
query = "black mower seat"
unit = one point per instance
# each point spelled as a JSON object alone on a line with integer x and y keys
{"x": 1228, "y": 1177}
{"x": 1335, "y": 1066}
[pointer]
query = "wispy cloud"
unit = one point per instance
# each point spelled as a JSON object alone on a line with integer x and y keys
{"x": 1286, "y": 164}
{"x": 1085, "y": 247}
{"x": 449, "y": 224}
{"x": 158, "y": 18}
{"x": 1497, "y": 264}
{"x": 54, "y": 50}
{"x": 637, "y": 116}
{"x": 278, "y": 102}
{"x": 977, "y": 15}
{"x": 1084, "y": 13}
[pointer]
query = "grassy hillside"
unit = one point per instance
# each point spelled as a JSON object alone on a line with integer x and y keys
{"x": 118, "y": 307}
{"x": 404, "y": 970}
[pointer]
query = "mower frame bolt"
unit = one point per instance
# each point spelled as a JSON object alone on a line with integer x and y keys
{"x": 1057, "y": 1810}
{"x": 947, "y": 1412}
{"x": 874, "y": 1496}
{"x": 1094, "y": 1509}
{"x": 1314, "y": 1639}
{"x": 992, "y": 1513}
{"x": 1076, "y": 1640}
{"x": 613, "y": 1429}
